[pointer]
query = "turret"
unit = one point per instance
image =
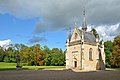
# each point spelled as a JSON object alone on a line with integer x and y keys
{"x": 84, "y": 25}
{"x": 97, "y": 40}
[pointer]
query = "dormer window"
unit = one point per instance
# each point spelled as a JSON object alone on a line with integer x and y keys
{"x": 76, "y": 36}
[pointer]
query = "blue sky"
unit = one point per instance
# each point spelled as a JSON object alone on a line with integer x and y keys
{"x": 48, "y": 22}
{"x": 22, "y": 30}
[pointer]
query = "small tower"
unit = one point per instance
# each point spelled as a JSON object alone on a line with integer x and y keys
{"x": 84, "y": 25}
{"x": 75, "y": 24}
{"x": 97, "y": 40}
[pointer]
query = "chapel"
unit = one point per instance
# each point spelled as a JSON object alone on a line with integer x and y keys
{"x": 83, "y": 50}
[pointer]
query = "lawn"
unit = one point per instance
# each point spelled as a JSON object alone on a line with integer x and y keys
{"x": 12, "y": 66}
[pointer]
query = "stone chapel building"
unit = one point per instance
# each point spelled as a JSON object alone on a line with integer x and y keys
{"x": 84, "y": 51}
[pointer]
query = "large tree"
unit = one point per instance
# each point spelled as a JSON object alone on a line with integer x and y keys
{"x": 39, "y": 55}
{"x": 32, "y": 55}
{"x": 115, "y": 59}
{"x": 24, "y": 54}
{"x": 48, "y": 55}
{"x": 108, "y": 52}
{"x": 57, "y": 57}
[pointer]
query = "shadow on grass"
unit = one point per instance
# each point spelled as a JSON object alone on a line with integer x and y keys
{"x": 6, "y": 69}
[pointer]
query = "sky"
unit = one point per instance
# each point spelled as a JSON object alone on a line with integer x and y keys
{"x": 48, "y": 22}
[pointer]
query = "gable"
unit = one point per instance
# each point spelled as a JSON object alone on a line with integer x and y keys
{"x": 75, "y": 36}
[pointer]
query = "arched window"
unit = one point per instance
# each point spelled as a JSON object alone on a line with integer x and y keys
{"x": 90, "y": 54}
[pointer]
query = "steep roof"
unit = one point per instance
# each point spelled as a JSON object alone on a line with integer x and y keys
{"x": 88, "y": 36}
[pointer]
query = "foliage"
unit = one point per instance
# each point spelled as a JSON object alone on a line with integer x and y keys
{"x": 39, "y": 55}
{"x": 115, "y": 58}
{"x": 57, "y": 57}
{"x": 2, "y": 54}
{"x": 48, "y": 56}
{"x": 95, "y": 33}
{"x": 112, "y": 51}
{"x": 108, "y": 52}
{"x": 33, "y": 55}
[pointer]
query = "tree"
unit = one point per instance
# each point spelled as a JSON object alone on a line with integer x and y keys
{"x": 108, "y": 52}
{"x": 64, "y": 54}
{"x": 57, "y": 57}
{"x": 39, "y": 58}
{"x": 33, "y": 55}
{"x": 27, "y": 55}
{"x": 19, "y": 46}
{"x": 2, "y": 54}
{"x": 48, "y": 56}
{"x": 61, "y": 58}
{"x": 39, "y": 55}
{"x": 116, "y": 46}
{"x": 9, "y": 55}
{"x": 24, "y": 54}
{"x": 95, "y": 33}
{"x": 115, "y": 58}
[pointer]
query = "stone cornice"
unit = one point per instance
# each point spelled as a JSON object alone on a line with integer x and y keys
{"x": 74, "y": 43}
{"x": 79, "y": 42}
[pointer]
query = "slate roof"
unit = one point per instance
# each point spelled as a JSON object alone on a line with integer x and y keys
{"x": 88, "y": 37}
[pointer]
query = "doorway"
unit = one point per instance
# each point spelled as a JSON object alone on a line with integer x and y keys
{"x": 75, "y": 64}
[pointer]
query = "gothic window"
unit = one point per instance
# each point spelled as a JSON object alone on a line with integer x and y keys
{"x": 90, "y": 54}
{"x": 76, "y": 35}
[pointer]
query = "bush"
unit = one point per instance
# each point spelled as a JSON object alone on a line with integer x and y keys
{"x": 6, "y": 59}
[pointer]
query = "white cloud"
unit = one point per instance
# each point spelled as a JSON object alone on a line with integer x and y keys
{"x": 57, "y": 14}
{"x": 108, "y": 32}
{"x": 5, "y": 43}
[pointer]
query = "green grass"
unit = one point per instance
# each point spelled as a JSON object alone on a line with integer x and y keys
{"x": 12, "y": 66}
{"x": 116, "y": 68}
{"x": 7, "y": 66}
{"x": 42, "y": 67}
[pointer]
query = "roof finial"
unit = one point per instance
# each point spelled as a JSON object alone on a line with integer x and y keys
{"x": 75, "y": 24}
{"x": 83, "y": 11}
{"x": 84, "y": 25}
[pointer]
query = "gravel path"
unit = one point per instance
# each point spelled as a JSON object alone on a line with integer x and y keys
{"x": 59, "y": 75}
